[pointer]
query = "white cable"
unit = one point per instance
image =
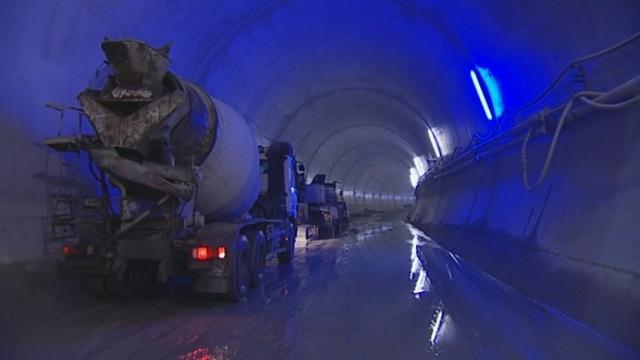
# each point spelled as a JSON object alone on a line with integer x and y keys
{"x": 552, "y": 148}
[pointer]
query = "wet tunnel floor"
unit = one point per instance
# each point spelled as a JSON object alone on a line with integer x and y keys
{"x": 382, "y": 291}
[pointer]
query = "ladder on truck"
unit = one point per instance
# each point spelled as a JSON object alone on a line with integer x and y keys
{"x": 64, "y": 197}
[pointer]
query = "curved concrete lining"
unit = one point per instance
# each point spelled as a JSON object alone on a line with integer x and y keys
{"x": 334, "y": 76}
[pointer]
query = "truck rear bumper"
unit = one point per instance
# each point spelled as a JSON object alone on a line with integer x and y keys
{"x": 84, "y": 265}
{"x": 210, "y": 284}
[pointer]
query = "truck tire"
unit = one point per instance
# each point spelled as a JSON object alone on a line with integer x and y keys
{"x": 258, "y": 258}
{"x": 287, "y": 256}
{"x": 239, "y": 278}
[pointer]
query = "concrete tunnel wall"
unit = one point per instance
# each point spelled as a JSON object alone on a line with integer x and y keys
{"x": 355, "y": 85}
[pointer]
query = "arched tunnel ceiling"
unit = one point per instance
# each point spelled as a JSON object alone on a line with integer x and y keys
{"x": 345, "y": 159}
{"x": 326, "y": 75}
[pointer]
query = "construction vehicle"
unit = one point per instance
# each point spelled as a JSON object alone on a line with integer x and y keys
{"x": 185, "y": 189}
{"x": 326, "y": 208}
{"x": 306, "y": 230}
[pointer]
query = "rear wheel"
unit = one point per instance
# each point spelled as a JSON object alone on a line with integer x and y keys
{"x": 240, "y": 272}
{"x": 258, "y": 258}
{"x": 290, "y": 239}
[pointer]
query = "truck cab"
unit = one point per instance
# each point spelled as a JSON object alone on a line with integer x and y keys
{"x": 278, "y": 196}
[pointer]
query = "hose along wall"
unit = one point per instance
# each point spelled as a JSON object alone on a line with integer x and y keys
{"x": 547, "y": 205}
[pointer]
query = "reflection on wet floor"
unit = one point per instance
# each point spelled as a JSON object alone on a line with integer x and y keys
{"x": 371, "y": 230}
{"x": 207, "y": 354}
{"x": 418, "y": 270}
{"x": 476, "y": 316}
{"x": 384, "y": 290}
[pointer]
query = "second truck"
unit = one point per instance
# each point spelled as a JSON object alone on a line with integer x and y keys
{"x": 185, "y": 189}
{"x": 322, "y": 211}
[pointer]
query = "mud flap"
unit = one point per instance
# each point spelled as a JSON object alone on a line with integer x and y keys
{"x": 210, "y": 284}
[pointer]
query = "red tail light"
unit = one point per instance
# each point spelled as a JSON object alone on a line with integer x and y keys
{"x": 69, "y": 250}
{"x": 205, "y": 252}
{"x": 202, "y": 253}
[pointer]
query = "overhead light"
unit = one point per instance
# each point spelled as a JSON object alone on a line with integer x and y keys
{"x": 414, "y": 177}
{"x": 483, "y": 100}
{"x": 491, "y": 84}
{"x": 420, "y": 164}
{"x": 434, "y": 142}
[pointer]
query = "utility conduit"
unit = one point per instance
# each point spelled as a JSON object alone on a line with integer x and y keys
{"x": 565, "y": 113}
{"x": 615, "y": 99}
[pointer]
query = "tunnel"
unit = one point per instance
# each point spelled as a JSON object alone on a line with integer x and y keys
{"x": 496, "y": 142}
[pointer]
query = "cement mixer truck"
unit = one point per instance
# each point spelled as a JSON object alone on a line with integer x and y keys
{"x": 185, "y": 189}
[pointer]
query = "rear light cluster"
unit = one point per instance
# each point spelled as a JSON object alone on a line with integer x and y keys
{"x": 68, "y": 250}
{"x": 205, "y": 252}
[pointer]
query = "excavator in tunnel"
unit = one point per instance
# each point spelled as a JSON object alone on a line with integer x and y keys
{"x": 185, "y": 190}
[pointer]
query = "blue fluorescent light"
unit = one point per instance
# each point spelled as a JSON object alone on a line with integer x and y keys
{"x": 492, "y": 86}
{"x": 483, "y": 100}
